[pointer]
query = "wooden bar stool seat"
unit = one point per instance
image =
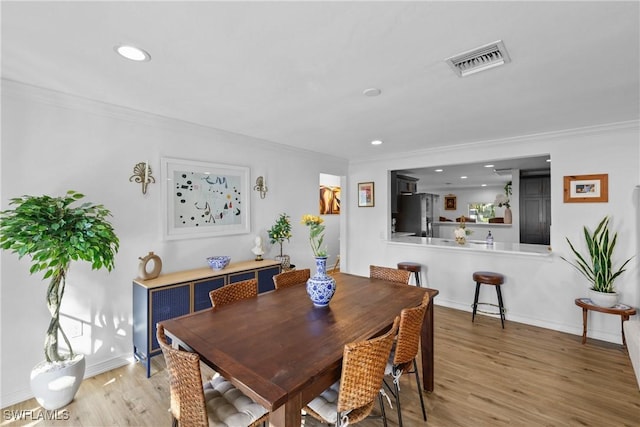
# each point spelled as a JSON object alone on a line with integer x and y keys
{"x": 488, "y": 278}
{"x": 413, "y": 267}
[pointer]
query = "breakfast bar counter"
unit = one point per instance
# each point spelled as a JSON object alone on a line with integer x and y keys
{"x": 473, "y": 245}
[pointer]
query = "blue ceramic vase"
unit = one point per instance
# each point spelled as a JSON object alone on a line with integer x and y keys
{"x": 321, "y": 286}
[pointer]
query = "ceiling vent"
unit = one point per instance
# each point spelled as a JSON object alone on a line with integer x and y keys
{"x": 502, "y": 172}
{"x": 479, "y": 59}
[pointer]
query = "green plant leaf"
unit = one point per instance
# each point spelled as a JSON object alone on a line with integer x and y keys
{"x": 598, "y": 266}
{"x": 53, "y": 233}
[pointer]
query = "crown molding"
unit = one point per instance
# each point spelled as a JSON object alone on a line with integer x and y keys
{"x": 491, "y": 143}
{"x": 46, "y": 96}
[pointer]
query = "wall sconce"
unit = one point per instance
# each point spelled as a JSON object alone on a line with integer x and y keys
{"x": 142, "y": 174}
{"x": 260, "y": 187}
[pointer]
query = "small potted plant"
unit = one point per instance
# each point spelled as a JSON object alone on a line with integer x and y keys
{"x": 54, "y": 231}
{"x": 278, "y": 233}
{"x": 597, "y": 266}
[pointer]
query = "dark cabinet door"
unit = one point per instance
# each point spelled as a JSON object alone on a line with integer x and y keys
{"x": 265, "y": 278}
{"x": 535, "y": 210}
{"x": 167, "y": 303}
{"x": 201, "y": 289}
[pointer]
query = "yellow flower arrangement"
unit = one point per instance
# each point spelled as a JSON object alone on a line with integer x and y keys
{"x": 316, "y": 234}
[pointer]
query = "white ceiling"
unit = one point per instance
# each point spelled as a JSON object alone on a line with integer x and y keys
{"x": 294, "y": 72}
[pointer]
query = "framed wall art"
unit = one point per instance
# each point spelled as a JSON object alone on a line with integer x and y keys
{"x": 586, "y": 188}
{"x": 204, "y": 199}
{"x": 366, "y": 196}
{"x": 329, "y": 200}
{"x": 450, "y": 202}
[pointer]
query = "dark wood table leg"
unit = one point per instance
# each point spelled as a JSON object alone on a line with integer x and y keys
{"x": 623, "y": 318}
{"x": 426, "y": 342}
{"x": 584, "y": 325}
{"x": 288, "y": 414}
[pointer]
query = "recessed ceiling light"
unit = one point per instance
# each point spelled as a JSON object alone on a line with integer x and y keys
{"x": 376, "y": 142}
{"x": 438, "y": 170}
{"x": 372, "y": 91}
{"x": 132, "y": 53}
{"x": 483, "y": 185}
{"x": 488, "y": 166}
{"x": 463, "y": 177}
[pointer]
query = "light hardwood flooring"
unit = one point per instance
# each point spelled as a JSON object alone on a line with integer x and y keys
{"x": 485, "y": 376}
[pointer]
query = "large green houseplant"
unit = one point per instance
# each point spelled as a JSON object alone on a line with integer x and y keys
{"x": 597, "y": 265}
{"x": 54, "y": 231}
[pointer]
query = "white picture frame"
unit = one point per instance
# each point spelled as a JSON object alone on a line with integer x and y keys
{"x": 203, "y": 199}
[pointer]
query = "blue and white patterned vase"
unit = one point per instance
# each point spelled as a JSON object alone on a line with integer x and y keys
{"x": 321, "y": 286}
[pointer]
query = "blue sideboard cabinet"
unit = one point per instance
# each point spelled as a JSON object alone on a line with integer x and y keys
{"x": 183, "y": 292}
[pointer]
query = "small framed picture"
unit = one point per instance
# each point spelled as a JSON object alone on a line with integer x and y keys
{"x": 366, "y": 196}
{"x": 450, "y": 202}
{"x": 586, "y": 188}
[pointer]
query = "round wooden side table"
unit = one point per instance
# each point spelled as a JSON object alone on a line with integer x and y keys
{"x": 622, "y": 310}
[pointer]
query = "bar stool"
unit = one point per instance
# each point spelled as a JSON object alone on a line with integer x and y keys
{"x": 488, "y": 278}
{"x": 413, "y": 267}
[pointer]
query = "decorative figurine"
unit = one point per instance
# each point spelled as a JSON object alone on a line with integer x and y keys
{"x": 142, "y": 267}
{"x": 257, "y": 249}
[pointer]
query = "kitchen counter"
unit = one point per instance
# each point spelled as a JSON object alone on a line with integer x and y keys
{"x": 473, "y": 245}
{"x": 401, "y": 234}
{"x": 470, "y": 224}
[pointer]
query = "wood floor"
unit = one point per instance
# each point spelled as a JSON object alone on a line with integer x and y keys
{"x": 485, "y": 376}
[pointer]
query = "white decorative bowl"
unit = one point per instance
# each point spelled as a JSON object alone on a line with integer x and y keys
{"x": 218, "y": 262}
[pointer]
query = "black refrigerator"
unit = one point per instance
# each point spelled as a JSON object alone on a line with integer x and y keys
{"x": 415, "y": 214}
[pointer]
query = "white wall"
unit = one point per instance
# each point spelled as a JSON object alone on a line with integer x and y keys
{"x": 52, "y": 143}
{"x": 538, "y": 290}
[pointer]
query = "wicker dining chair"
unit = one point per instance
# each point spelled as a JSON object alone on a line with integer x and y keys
{"x": 351, "y": 399}
{"x": 390, "y": 274}
{"x": 217, "y": 402}
{"x": 291, "y": 278}
{"x": 403, "y": 355}
{"x": 234, "y": 292}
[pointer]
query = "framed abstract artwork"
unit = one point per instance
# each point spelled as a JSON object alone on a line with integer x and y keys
{"x": 204, "y": 199}
{"x": 586, "y": 188}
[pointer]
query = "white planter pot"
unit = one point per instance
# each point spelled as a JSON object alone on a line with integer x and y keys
{"x": 603, "y": 299}
{"x": 285, "y": 261}
{"x": 54, "y": 385}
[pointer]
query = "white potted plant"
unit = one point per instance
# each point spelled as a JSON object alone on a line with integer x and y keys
{"x": 597, "y": 266}
{"x": 54, "y": 231}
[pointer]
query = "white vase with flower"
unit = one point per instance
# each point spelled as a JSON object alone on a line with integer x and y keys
{"x": 503, "y": 200}
{"x": 460, "y": 233}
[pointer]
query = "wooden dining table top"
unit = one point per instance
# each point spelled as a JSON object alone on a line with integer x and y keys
{"x": 278, "y": 347}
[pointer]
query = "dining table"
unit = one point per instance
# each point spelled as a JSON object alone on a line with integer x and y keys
{"x": 282, "y": 351}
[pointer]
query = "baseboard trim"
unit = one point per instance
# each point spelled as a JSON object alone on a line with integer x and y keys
{"x": 612, "y": 337}
{"x": 91, "y": 371}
